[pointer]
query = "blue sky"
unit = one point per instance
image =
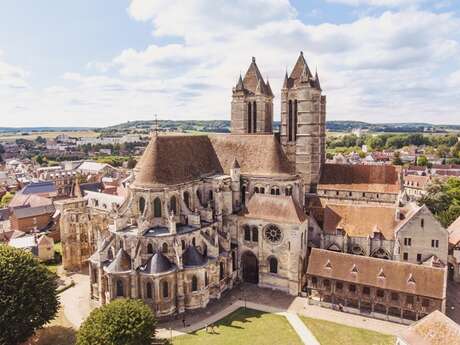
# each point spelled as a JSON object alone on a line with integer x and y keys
{"x": 96, "y": 63}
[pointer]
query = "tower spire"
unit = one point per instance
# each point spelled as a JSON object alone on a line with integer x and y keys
{"x": 286, "y": 80}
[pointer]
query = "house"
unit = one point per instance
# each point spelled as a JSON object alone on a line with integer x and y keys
{"x": 454, "y": 250}
{"x": 41, "y": 246}
{"x": 434, "y": 329}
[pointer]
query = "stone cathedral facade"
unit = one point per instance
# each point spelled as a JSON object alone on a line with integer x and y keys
{"x": 206, "y": 212}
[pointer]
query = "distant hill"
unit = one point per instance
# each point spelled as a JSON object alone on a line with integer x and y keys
{"x": 223, "y": 126}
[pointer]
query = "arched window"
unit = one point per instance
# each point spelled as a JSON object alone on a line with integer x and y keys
{"x": 249, "y": 117}
{"x": 173, "y": 205}
{"x": 255, "y": 234}
{"x": 233, "y": 261}
{"x": 149, "y": 248}
{"x": 254, "y": 117}
{"x": 149, "y": 290}
{"x": 110, "y": 254}
{"x": 289, "y": 127}
{"x": 273, "y": 265}
{"x": 165, "y": 288}
{"x": 120, "y": 292}
{"x": 210, "y": 195}
{"x": 206, "y": 279}
{"x": 157, "y": 208}
{"x": 141, "y": 204}
{"x": 121, "y": 244}
{"x": 247, "y": 233}
{"x": 193, "y": 242}
{"x": 243, "y": 195}
{"x": 275, "y": 191}
{"x": 183, "y": 244}
{"x": 164, "y": 248}
{"x": 262, "y": 190}
{"x": 187, "y": 199}
{"x": 256, "y": 190}
{"x": 288, "y": 191}
{"x": 194, "y": 283}
{"x": 221, "y": 271}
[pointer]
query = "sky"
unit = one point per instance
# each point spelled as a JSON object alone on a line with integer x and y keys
{"x": 97, "y": 63}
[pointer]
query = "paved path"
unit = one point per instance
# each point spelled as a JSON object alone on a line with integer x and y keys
{"x": 302, "y": 330}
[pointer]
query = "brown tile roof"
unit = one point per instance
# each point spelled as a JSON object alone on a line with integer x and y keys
{"x": 365, "y": 178}
{"x": 429, "y": 281}
{"x": 454, "y": 232}
{"x": 174, "y": 159}
{"x": 253, "y": 79}
{"x": 434, "y": 329}
{"x": 276, "y": 208}
{"x": 416, "y": 181}
{"x": 360, "y": 221}
{"x": 30, "y": 200}
{"x": 257, "y": 154}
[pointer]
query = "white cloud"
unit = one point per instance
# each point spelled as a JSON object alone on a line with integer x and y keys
{"x": 394, "y": 66}
{"x": 11, "y": 76}
{"x": 382, "y": 3}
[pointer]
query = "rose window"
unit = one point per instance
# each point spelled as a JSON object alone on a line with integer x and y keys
{"x": 273, "y": 233}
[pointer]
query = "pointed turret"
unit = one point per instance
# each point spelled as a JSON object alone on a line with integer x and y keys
{"x": 317, "y": 83}
{"x": 300, "y": 70}
{"x": 269, "y": 89}
{"x": 286, "y": 81}
{"x": 235, "y": 164}
{"x": 240, "y": 84}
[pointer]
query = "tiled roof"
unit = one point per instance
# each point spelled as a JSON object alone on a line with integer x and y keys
{"x": 25, "y": 212}
{"x": 92, "y": 166}
{"x": 360, "y": 221}
{"x": 157, "y": 263}
{"x": 253, "y": 80}
{"x": 39, "y": 188}
{"x": 32, "y": 200}
{"x": 428, "y": 281}
{"x": 454, "y": 232}
{"x": 274, "y": 208}
{"x": 121, "y": 263}
{"x": 256, "y": 154}
{"x": 434, "y": 329}
{"x": 365, "y": 178}
{"x": 174, "y": 159}
{"x": 192, "y": 257}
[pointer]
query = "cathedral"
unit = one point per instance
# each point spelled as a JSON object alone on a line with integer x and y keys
{"x": 204, "y": 213}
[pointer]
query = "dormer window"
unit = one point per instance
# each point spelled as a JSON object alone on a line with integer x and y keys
{"x": 381, "y": 274}
{"x": 411, "y": 279}
{"x": 354, "y": 269}
{"x": 328, "y": 265}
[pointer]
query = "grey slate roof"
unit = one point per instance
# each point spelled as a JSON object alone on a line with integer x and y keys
{"x": 39, "y": 188}
{"x": 24, "y": 212}
{"x": 157, "y": 263}
{"x": 192, "y": 257}
{"x": 121, "y": 263}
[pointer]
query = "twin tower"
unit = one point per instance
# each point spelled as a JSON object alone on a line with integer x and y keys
{"x": 303, "y": 116}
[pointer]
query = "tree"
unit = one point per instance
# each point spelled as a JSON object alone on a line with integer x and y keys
{"x": 131, "y": 163}
{"x": 39, "y": 159}
{"x": 422, "y": 161}
{"x": 121, "y": 322}
{"x": 397, "y": 158}
{"x": 5, "y": 200}
{"x": 28, "y": 297}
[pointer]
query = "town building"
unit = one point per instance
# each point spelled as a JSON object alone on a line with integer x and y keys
{"x": 434, "y": 329}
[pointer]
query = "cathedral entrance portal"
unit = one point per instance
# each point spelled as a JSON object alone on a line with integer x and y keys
{"x": 250, "y": 267}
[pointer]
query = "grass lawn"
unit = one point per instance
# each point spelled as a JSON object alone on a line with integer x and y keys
{"x": 245, "y": 327}
{"x": 331, "y": 333}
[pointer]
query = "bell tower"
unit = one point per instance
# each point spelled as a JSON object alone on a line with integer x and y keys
{"x": 303, "y": 123}
{"x": 252, "y": 103}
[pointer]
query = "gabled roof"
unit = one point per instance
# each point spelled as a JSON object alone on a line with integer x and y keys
{"x": 256, "y": 154}
{"x": 121, "y": 263}
{"x": 192, "y": 257}
{"x": 156, "y": 264}
{"x": 427, "y": 281}
{"x": 360, "y": 220}
{"x": 28, "y": 200}
{"x": 454, "y": 232}
{"x": 434, "y": 329}
{"x": 92, "y": 166}
{"x": 276, "y": 208}
{"x": 361, "y": 177}
{"x": 25, "y": 212}
{"x": 46, "y": 187}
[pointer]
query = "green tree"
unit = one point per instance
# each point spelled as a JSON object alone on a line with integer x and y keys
{"x": 121, "y": 322}
{"x": 39, "y": 159}
{"x": 376, "y": 142}
{"x": 6, "y": 198}
{"x": 456, "y": 150}
{"x": 28, "y": 297}
{"x": 422, "y": 161}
